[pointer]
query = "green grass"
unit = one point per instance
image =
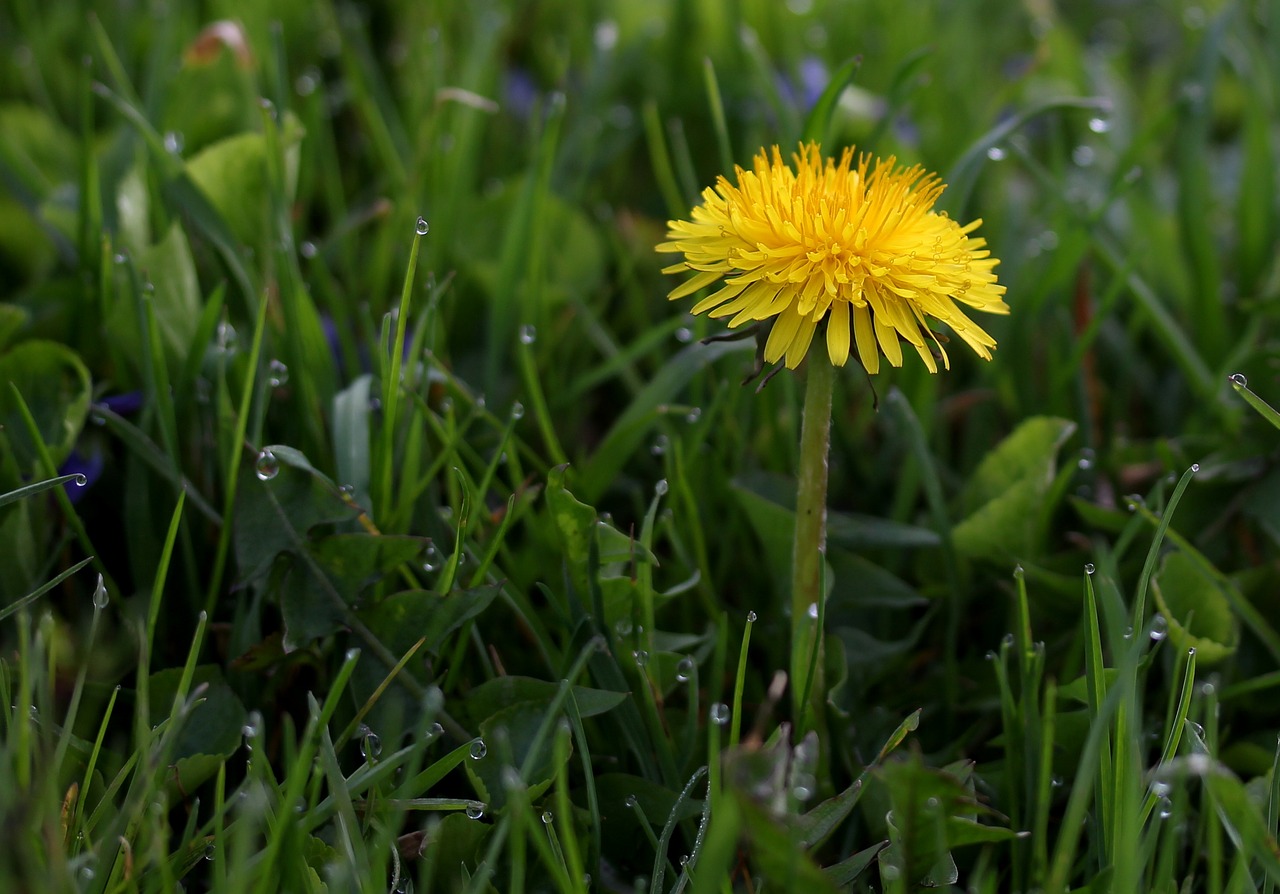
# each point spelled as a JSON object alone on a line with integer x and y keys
{"x": 447, "y": 557}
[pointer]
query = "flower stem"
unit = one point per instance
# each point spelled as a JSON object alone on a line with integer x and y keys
{"x": 807, "y": 690}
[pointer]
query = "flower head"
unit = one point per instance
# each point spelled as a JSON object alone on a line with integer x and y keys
{"x": 859, "y": 246}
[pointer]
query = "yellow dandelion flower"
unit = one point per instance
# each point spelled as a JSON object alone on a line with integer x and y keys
{"x": 859, "y": 246}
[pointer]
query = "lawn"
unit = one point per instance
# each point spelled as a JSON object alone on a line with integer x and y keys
{"x": 389, "y": 501}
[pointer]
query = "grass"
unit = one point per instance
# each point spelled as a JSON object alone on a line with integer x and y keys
{"x": 445, "y": 556}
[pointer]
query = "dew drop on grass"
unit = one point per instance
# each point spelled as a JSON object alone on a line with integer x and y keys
{"x": 1195, "y": 467}
{"x": 1086, "y": 459}
{"x": 1160, "y": 789}
{"x": 528, "y": 334}
{"x": 624, "y": 627}
{"x": 80, "y": 480}
{"x": 277, "y": 373}
{"x": 813, "y": 611}
{"x": 1007, "y": 640}
{"x": 370, "y": 743}
{"x": 266, "y": 466}
{"x": 693, "y": 415}
{"x": 1159, "y": 628}
{"x": 475, "y": 810}
{"x": 751, "y": 617}
{"x": 173, "y": 142}
{"x": 517, "y": 410}
{"x": 210, "y": 851}
{"x": 478, "y": 749}
{"x": 641, "y": 657}
{"x": 252, "y": 725}
{"x": 307, "y": 249}
{"x": 1083, "y": 156}
{"x": 1099, "y": 125}
{"x": 1166, "y": 808}
{"x": 100, "y": 595}
{"x": 684, "y": 335}
{"x": 684, "y": 669}
{"x": 659, "y": 445}
{"x": 422, "y": 228}
{"x": 1088, "y": 568}
{"x": 719, "y": 714}
{"x": 547, "y": 817}
{"x": 434, "y": 731}
{"x": 1018, "y": 573}
{"x": 1239, "y": 380}
{"x": 996, "y": 153}
{"x": 631, "y": 802}
{"x": 661, "y": 487}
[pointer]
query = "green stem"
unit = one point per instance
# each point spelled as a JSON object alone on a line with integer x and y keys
{"x": 810, "y": 545}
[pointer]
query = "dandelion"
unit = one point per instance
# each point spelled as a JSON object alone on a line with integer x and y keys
{"x": 858, "y": 246}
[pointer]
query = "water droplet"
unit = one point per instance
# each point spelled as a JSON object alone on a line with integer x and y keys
{"x": 990, "y": 656}
{"x": 1207, "y": 689}
{"x": 1160, "y": 788}
{"x": 100, "y": 595}
{"x": 434, "y": 731}
{"x": 719, "y": 714}
{"x": 87, "y": 873}
{"x": 1166, "y": 808}
{"x": 1055, "y": 781}
{"x": 641, "y": 657}
{"x": 1018, "y": 572}
{"x": 889, "y": 872}
{"x": 660, "y": 445}
{"x": 631, "y": 802}
{"x": 684, "y": 669}
{"x": 277, "y": 373}
{"x": 517, "y": 411}
{"x": 1099, "y": 125}
{"x": 528, "y": 334}
{"x": 693, "y": 415}
{"x": 1128, "y": 633}
{"x": 210, "y": 851}
{"x": 624, "y": 627}
{"x": 1195, "y": 467}
{"x": 266, "y": 466}
{"x": 173, "y": 142}
{"x": 996, "y": 153}
{"x": 478, "y": 749}
{"x": 370, "y": 743}
{"x": 80, "y": 480}
{"x": 1086, "y": 459}
{"x": 661, "y": 487}
{"x": 252, "y": 726}
{"x": 226, "y": 337}
{"x": 1083, "y": 156}
{"x": 1007, "y": 640}
{"x": 1238, "y": 380}
{"x": 1133, "y": 501}
{"x": 475, "y": 810}
{"x": 547, "y": 817}
{"x": 812, "y": 611}
{"x": 684, "y": 335}
{"x": 423, "y": 227}
{"x": 308, "y": 249}
{"x": 1159, "y": 628}
{"x": 1088, "y": 568}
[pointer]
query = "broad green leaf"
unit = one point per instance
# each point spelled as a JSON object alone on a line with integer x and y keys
{"x": 330, "y": 574}
{"x": 493, "y": 695}
{"x": 275, "y": 515}
{"x": 55, "y": 385}
{"x": 575, "y": 524}
{"x": 1198, "y": 613}
{"x": 515, "y": 728}
{"x": 175, "y": 299}
{"x": 12, "y": 319}
{"x": 1004, "y": 498}
{"x": 232, "y": 174}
